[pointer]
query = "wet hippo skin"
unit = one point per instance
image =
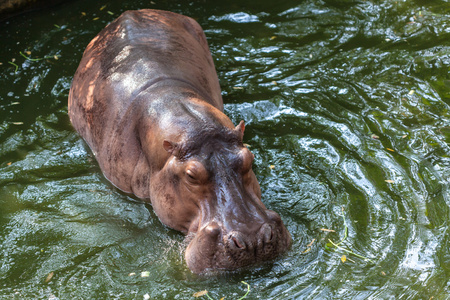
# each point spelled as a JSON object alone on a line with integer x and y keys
{"x": 147, "y": 100}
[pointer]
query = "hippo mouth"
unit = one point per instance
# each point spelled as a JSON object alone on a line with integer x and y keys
{"x": 214, "y": 249}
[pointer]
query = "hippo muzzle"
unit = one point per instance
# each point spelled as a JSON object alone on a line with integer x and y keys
{"x": 215, "y": 248}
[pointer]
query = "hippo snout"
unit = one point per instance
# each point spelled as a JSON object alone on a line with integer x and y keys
{"x": 214, "y": 247}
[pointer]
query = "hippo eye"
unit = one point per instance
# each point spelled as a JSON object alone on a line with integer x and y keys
{"x": 195, "y": 172}
{"x": 190, "y": 174}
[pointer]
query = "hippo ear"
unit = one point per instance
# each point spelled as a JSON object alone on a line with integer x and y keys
{"x": 240, "y": 129}
{"x": 169, "y": 146}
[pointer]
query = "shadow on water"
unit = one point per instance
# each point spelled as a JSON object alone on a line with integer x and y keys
{"x": 347, "y": 112}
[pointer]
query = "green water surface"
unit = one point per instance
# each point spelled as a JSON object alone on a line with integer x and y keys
{"x": 347, "y": 111}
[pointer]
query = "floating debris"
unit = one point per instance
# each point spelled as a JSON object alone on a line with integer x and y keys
{"x": 345, "y": 237}
{"x": 12, "y": 63}
{"x": 49, "y": 277}
{"x": 37, "y": 59}
{"x": 201, "y": 293}
{"x": 205, "y": 293}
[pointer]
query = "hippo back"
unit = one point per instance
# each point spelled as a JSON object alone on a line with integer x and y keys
{"x": 134, "y": 53}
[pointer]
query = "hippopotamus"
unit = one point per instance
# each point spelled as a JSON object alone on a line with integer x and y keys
{"x": 146, "y": 99}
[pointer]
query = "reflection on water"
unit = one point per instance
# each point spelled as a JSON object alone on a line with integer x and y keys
{"x": 347, "y": 111}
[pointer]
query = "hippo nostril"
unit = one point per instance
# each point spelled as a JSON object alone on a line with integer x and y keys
{"x": 238, "y": 241}
{"x": 267, "y": 233}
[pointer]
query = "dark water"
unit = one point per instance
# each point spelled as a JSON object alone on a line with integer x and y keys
{"x": 347, "y": 110}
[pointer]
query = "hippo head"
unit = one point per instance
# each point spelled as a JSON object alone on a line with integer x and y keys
{"x": 208, "y": 188}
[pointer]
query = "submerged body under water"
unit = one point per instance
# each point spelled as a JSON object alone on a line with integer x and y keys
{"x": 346, "y": 106}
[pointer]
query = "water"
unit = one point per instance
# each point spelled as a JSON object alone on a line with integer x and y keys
{"x": 347, "y": 111}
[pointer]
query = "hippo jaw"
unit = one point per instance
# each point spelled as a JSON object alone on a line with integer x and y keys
{"x": 214, "y": 248}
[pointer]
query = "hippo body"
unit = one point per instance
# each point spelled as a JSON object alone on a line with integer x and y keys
{"x": 147, "y": 100}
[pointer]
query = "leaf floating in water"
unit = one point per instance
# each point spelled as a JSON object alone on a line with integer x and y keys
{"x": 306, "y": 250}
{"x": 132, "y": 274}
{"x": 146, "y": 296}
{"x": 411, "y": 92}
{"x": 49, "y": 277}
{"x": 312, "y": 242}
{"x": 343, "y": 258}
{"x": 272, "y": 167}
{"x": 327, "y": 246}
{"x": 37, "y": 59}
{"x": 327, "y": 230}
{"x": 17, "y": 123}
{"x": 238, "y": 87}
{"x": 374, "y": 136}
{"x": 145, "y": 274}
{"x": 95, "y": 19}
{"x": 389, "y": 181}
{"x": 248, "y": 289}
{"x": 110, "y": 12}
{"x": 273, "y": 37}
{"x": 103, "y": 7}
{"x": 15, "y": 65}
{"x": 389, "y": 149}
{"x": 201, "y": 293}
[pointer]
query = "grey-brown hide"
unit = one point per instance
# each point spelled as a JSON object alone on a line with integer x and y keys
{"x": 147, "y": 100}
